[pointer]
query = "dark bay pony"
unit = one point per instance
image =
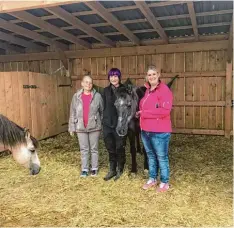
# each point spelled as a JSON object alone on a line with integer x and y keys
{"x": 21, "y": 144}
{"x": 127, "y": 104}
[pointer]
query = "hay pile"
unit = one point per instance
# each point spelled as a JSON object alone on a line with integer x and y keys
{"x": 200, "y": 194}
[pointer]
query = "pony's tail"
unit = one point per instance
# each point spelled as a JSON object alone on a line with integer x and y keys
{"x": 169, "y": 84}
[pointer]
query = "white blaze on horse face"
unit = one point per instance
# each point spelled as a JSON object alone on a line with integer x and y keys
{"x": 22, "y": 155}
{"x": 35, "y": 159}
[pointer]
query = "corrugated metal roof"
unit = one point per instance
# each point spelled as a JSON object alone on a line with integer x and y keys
{"x": 91, "y": 19}
{"x": 47, "y": 34}
{"x": 7, "y": 17}
{"x": 128, "y": 14}
{"x": 6, "y": 31}
{"x": 42, "y": 44}
{"x": 76, "y": 7}
{"x": 75, "y": 32}
{"x": 24, "y": 37}
{"x": 27, "y": 26}
{"x": 64, "y": 41}
{"x": 2, "y": 52}
{"x": 39, "y": 12}
{"x": 179, "y": 33}
{"x": 113, "y": 4}
{"x": 175, "y": 22}
{"x": 169, "y": 10}
{"x": 206, "y": 6}
{"x": 147, "y": 35}
{"x": 118, "y": 38}
{"x": 90, "y": 40}
{"x": 214, "y": 19}
{"x": 214, "y": 30}
{"x": 139, "y": 26}
{"x": 106, "y": 29}
{"x": 58, "y": 22}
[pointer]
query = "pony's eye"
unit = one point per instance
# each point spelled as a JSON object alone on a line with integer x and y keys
{"x": 32, "y": 151}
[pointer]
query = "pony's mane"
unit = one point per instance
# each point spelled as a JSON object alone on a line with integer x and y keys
{"x": 12, "y": 134}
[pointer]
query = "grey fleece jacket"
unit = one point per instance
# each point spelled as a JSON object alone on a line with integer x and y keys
{"x": 76, "y": 123}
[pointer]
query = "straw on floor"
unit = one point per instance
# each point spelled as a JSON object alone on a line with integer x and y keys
{"x": 200, "y": 194}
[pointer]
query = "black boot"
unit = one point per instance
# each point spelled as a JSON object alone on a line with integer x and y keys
{"x": 112, "y": 172}
{"x": 118, "y": 175}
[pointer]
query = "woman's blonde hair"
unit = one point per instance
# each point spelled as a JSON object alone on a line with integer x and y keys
{"x": 151, "y": 67}
{"x": 89, "y": 76}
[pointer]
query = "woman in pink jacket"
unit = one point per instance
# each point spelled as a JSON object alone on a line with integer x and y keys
{"x": 155, "y": 122}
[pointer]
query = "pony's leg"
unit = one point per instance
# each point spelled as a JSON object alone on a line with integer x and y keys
{"x": 138, "y": 142}
{"x": 131, "y": 137}
{"x": 146, "y": 165}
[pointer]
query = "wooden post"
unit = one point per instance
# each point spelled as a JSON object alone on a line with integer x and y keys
{"x": 228, "y": 95}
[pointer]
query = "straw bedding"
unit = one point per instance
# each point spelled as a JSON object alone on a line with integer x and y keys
{"x": 200, "y": 194}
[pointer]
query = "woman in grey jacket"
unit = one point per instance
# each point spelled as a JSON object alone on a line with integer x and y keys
{"x": 86, "y": 113}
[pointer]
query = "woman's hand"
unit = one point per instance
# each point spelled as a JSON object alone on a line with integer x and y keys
{"x": 71, "y": 133}
{"x": 137, "y": 115}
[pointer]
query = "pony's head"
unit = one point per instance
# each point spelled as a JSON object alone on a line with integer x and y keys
{"x": 22, "y": 145}
{"x": 126, "y": 105}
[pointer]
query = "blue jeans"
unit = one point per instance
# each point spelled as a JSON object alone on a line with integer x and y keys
{"x": 156, "y": 146}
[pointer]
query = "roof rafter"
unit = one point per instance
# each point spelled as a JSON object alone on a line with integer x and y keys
{"x": 7, "y": 46}
{"x": 152, "y": 19}
{"x": 103, "y": 12}
{"x": 193, "y": 19}
{"x": 230, "y": 43}
{"x": 78, "y": 24}
{"x": 15, "y": 40}
{"x": 31, "y": 34}
{"x": 10, "y": 6}
{"x": 25, "y": 16}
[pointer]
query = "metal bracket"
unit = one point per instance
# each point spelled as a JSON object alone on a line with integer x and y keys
{"x": 30, "y": 86}
{"x": 70, "y": 85}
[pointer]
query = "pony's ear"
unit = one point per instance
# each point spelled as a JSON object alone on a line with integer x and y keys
{"x": 27, "y": 133}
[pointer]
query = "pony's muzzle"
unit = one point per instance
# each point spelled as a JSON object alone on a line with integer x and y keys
{"x": 122, "y": 132}
{"x": 34, "y": 169}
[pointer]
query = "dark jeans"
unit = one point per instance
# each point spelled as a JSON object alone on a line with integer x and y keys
{"x": 156, "y": 146}
{"x": 115, "y": 146}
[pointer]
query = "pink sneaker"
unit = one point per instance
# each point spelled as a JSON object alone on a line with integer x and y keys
{"x": 149, "y": 184}
{"x": 163, "y": 187}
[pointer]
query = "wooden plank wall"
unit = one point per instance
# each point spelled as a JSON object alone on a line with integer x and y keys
{"x": 199, "y": 92}
{"x": 201, "y": 101}
{"x": 44, "y": 110}
{"x": 50, "y": 67}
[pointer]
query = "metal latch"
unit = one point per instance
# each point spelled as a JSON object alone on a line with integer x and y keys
{"x": 70, "y": 85}
{"x": 30, "y": 86}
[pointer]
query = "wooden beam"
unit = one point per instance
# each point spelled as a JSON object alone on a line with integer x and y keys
{"x": 122, "y": 8}
{"x": 152, "y": 19}
{"x": 31, "y": 34}
{"x": 9, "y": 47}
{"x": 193, "y": 19}
{"x": 97, "y": 7}
{"x": 198, "y": 131}
{"x": 127, "y": 51}
{"x": 228, "y": 97}
{"x": 78, "y": 24}
{"x": 165, "y": 3}
{"x": 15, "y": 40}
{"x": 230, "y": 44}
{"x": 50, "y": 28}
{"x": 170, "y": 75}
{"x": 218, "y": 12}
{"x": 11, "y": 6}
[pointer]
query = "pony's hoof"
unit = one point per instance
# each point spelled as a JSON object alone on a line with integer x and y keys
{"x": 133, "y": 175}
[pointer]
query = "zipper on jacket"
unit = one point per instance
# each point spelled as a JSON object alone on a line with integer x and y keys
{"x": 144, "y": 103}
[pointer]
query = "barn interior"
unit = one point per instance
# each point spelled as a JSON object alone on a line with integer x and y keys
{"x": 46, "y": 47}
